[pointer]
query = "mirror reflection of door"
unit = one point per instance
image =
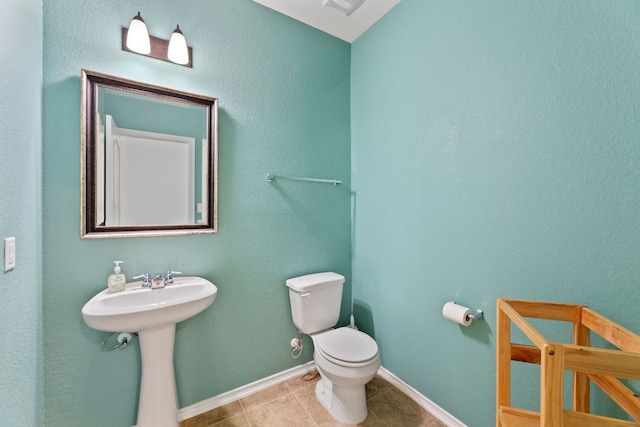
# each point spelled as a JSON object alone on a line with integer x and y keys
{"x": 135, "y": 111}
{"x": 149, "y": 177}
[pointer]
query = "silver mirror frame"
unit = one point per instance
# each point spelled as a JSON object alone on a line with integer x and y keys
{"x": 90, "y": 82}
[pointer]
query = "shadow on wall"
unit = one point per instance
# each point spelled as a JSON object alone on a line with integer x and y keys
{"x": 363, "y": 317}
{"x": 478, "y": 330}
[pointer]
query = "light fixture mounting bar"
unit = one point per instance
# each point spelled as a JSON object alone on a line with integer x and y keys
{"x": 159, "y": 49}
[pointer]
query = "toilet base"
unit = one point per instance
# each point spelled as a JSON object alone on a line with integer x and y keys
{"x": 347, "y": 405}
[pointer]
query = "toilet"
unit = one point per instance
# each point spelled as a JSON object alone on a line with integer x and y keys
{"x": 346, "y": 358}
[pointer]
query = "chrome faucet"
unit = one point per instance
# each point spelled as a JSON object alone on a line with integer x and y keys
{"x": 146, "y": 279}
{"x": 168, "y": 278}
{"x": 158, "y": 281}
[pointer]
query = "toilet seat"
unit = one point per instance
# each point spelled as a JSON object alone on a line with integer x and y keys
{"x": 346, "y": 347}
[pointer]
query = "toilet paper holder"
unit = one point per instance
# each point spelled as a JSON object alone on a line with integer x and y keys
{"x": 460, "y": 314}
{"x": 479, "y": 315}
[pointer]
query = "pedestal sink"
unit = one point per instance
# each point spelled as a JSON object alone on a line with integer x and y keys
{"x": 153, "y": 313}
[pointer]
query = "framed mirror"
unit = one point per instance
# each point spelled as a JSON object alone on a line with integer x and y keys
{"x": 149, "y": 159}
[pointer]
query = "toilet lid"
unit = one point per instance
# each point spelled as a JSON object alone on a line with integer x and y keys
{"x": 346, "y": 344}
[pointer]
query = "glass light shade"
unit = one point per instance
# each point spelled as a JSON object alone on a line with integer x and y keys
{"x": 178, "y": 51}
{"x": 138, "y": 36}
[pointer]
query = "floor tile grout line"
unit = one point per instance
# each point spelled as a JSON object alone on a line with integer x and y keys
{"x": 382, "y": 394}
{"x": 371, "y": 410}
{"x": 305, "y": 406}
{"x": 380, "y": 420}
{"x": 266, "y": 401}
{"x": 219, "y": 422}
{"x": 292, "y": 392}
{"x": 246, "y": 417}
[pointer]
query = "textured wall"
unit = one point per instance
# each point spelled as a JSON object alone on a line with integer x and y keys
{"x": 283, "y": 90}
{"x": 494, "y": 154}
{"x": 21, "y": 376}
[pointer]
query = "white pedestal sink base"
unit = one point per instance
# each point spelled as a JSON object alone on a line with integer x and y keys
{"x": 154, "y": 314}
{"x": 158, "y": 406}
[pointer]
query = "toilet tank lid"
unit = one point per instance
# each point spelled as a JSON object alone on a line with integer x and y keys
{"x": 315, "y": 281}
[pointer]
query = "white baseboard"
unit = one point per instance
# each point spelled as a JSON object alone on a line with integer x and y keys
{"x": 246, "y": 390}
{"x": 420, "y": 399}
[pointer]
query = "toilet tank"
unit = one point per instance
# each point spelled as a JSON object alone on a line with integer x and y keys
{"x": 315, "y": 301}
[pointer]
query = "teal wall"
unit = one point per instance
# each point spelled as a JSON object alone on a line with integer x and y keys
{"x": 21, "y": 372}
{"x": 494, "y": 154}
{"x": 283, "y": 92}
{"x": 148, "y": 115}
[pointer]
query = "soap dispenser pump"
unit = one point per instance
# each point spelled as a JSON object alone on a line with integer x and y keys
{"x": 117, "y": 280}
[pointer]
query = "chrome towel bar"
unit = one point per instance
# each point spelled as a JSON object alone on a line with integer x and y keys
{"x": 271, "y": 177}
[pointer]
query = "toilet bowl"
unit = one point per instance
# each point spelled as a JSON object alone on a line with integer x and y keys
{"x": 346, "y": 359}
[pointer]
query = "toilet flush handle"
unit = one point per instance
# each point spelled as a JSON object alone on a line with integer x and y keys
{"x": 306, "y": 294}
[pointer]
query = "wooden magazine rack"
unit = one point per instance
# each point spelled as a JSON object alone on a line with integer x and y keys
{"x": 601, "y": 366}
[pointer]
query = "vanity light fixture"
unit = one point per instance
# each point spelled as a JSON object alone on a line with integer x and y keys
{"x": 178, "y": 51}
{"x": 136, "y": 39}
{"x": 138, "y": 36}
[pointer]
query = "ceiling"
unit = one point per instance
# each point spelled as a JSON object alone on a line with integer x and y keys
{"x": 330, "y": 20}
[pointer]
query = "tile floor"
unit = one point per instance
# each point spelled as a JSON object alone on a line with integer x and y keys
{"x": 293, "y": 404}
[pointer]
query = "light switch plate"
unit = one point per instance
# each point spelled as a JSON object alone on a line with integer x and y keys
{"x": 9, "y": 253}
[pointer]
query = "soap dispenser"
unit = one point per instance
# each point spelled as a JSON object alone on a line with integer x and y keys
{"x": 116, "y": 281}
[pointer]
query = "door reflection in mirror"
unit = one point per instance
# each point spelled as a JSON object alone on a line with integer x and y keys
{"x": 150, "y": 160}
{"x": 149, "y": 178}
